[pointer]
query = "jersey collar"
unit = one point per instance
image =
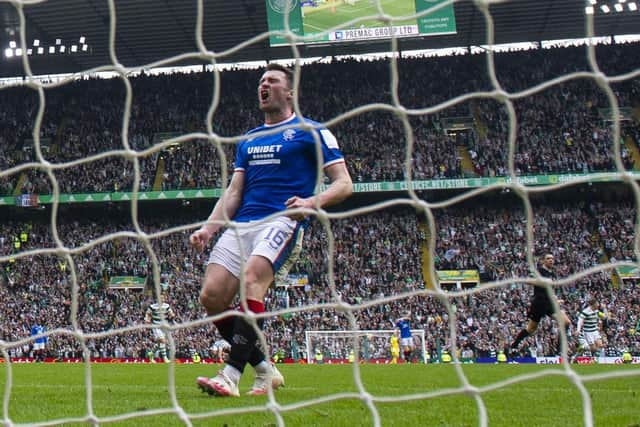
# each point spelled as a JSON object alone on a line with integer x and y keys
{"x": 290, "y": 118}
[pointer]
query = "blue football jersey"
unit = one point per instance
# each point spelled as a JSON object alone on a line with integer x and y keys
{"x": 405, "y": 328}
{"x": 36, "y": 330}
{"x": 280, "y": 166}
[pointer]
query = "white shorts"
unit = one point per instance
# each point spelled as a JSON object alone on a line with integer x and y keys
{"x": 221, "y": 349}
{"x": 582, "y": 342}
{"x": 406, "y": 342}
{"x": 278, "y": 240}
{"x": 159, "y": 334}
{"x": 221, "y": 345}
{"x": 592, "y": 337}
{"x": 38, "y": 346}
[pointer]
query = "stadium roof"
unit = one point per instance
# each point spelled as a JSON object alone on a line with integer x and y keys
{"x": 148, "y": 31}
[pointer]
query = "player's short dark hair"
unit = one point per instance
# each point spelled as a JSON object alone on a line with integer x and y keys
{"x": 274, "y": 66}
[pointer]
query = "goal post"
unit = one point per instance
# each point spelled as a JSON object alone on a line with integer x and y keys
{"x": 373, "y": 345}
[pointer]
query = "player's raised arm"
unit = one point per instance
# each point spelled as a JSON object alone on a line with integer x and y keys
{"x": 226, "y": 206}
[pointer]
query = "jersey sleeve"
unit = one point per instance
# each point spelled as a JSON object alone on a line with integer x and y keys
{"x": 330, "y": 150}
{"x": 241, "y": 159}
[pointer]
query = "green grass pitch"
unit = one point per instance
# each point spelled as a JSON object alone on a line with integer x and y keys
{"x": 53, "y": 393}
{"x": 320, "y": 19}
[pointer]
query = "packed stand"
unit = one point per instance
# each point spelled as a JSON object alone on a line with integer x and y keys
{"x": 560, "y": 129}
{"x": 378, "y": 257}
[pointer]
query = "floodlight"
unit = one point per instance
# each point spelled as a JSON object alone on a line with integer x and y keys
{"x": 593, "y": 1}
{"x": 74, "y": 48}
{"x": 12, "y": 44}
{"x": 618, "y": 7}
{"x": 82, "y": 39}
{"x": 588, "y": 10}
{"x": 8, "y": 52}
{"x": 29, "y": 51}
{"x": 62, "y": 48}
{"x": 52, "y": 49}
{"x": 58, "y": 41}
{"x": 36, "y": 42}
{"x": 605, "y": 8}
{"x": 85, "y": 47}
{"x": 40, "y": 50}
{"x": 633, "y": 7}
{"x": 18, "y": 52}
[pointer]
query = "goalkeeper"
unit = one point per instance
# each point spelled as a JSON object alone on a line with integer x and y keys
{"x": 395, "y": 347}
{"x": 273, "y": 173}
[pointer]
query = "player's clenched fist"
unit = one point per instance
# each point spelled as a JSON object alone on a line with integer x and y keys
{"x": 298, "y": 202}
{"x": 200, "y": 239}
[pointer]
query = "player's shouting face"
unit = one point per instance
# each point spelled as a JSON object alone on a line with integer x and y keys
{"x": 274, "y": 92}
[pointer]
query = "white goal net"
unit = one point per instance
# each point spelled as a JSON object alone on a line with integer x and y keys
{"x": 361, "y": 265}
{"x": 362, "y": 345}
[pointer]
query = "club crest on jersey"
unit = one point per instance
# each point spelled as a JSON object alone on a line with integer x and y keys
{"x": 288, "y": 134}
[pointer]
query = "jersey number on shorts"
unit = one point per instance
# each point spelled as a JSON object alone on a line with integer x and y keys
{"x": 276, "y": 238}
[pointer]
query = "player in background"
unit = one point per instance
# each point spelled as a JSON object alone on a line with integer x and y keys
{"x": 541, "y": 306}
{"x": 589, "y": 324}
{"x": 272, "y": 173}
{"x": 394, "y": 347}
{"x": 403, "y": 325}
{"x": 39, "y": 344}
{"x": 155, "y": 314}
{"x": 220, "y": 350}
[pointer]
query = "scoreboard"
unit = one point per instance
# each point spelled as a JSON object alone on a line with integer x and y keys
{"x": 330, "y": 21}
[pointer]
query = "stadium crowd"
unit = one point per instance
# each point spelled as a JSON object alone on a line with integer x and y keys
{"x": 560, "y": 129}
{"x": 378, "y": 257}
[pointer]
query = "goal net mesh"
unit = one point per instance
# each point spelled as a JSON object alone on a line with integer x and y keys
{"x": 134, "y": 160}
